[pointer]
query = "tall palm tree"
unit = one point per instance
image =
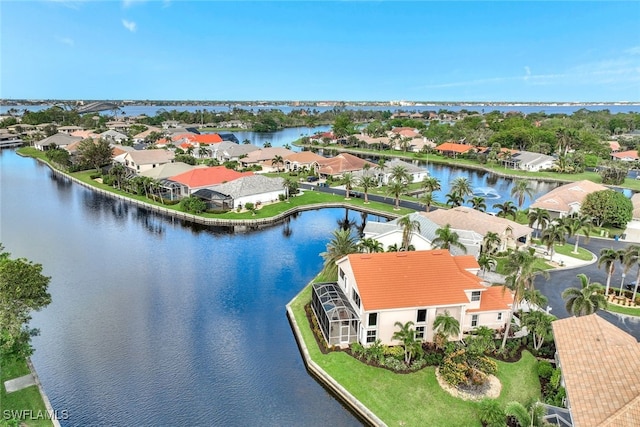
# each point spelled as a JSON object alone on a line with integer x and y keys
{"x": 342, "y": 244}
{"x": 409, "y": 226}
{"x": 608, "y": 258}
{"x": 461, "y": 186}
{"x": 401, "y": 174}
{"x": 506, "y": 209}
{"x": 431, "y": 184}
{"x": 632, "y": 258}
{"x": 538, "y": 217}
{"x": 447, "y": 238}
{"x": 454, "y": 200}
{"x": 395, "y": 189}
{"x": 277, "y": 161}
{"x": 576, "y": 223}
{"x": 446, "y": 324}
{"x": 552, "y": 235}
{"x": 520, "y": 190}
{"x": 426, "y": 199}
{"x": 203, "y": 151}
{"x": 349, "y": 181}
{"x": 584, "y": 300}
{"x": 367, "y": 182}
{"x": 520, "y": 269}
{"x": 491, "y": 242}
{"x": 478, "y": 203}
{"x": 407, "y": 335}
{"x": 370, "y": 245}
{"x": 486, "y": 262}
{"x": 539, "y": 324}
{"x": 290, "y": 186}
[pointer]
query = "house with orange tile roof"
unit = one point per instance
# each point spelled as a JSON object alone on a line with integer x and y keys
{"x": 599, "y": 371}
{"x": 566, "y": 199}
{"x": 376, "y": 290}
{"x": 625, "y": 156}
{"x": 453, "y": 149}
{"x": 302, "y": 160}
{"x": 208, "y": 177}
{"x": 341, "y": 164}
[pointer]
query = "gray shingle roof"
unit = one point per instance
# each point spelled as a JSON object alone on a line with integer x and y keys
{"x": 249, "y": 185}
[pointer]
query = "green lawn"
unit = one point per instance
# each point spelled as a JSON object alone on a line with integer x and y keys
{"x": 629, "y": 311}
{"x": 567, "y": 250}
{"x": 25, "y": 399}
{"x": 413, "y": 399}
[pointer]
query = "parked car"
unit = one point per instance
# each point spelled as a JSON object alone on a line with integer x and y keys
{"x": 630, "y": 286}
{"x": 355, "y": 194}
{"x": 312, "y": 178}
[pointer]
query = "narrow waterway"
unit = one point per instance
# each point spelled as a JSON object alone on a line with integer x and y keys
{"x": 156, "y": 322}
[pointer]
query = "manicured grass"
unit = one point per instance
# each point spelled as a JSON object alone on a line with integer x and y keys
{"x": 567, "y": 250}
{"x": 629, "y": 311}
{"x": 413, "y": 399}
{"x": 25, "y": 399}
{"x": 539, "y": 263}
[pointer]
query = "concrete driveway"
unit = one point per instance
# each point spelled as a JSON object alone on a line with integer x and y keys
{"x": 561, "y": 279}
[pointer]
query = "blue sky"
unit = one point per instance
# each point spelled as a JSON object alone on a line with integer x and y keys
{"x": 348, "y": 50}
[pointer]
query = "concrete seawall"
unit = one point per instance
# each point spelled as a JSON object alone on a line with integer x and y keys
{"x": 361, "y": 411}
{"x": 43, "y": 395}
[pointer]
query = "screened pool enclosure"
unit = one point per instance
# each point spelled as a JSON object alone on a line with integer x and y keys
{"x": 338, "y": 321}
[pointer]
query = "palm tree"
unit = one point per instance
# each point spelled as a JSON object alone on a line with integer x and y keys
{"x": 478, "y": 203}
{"x": 491, "y": 413}
{"x": 521, "y": 270}
{"x": 341, "y": 245}
{"x": 532, "y": 417}
{"x": 486, "y": 262}
{"x": 447, "y": 238}
{"x": 550, "y": 236}
{"x": 407, "y": 335}
{"x": 431, "y": 184}
{"x": 349, "y": 181}
{"x": 576, "y": 223}
{"x": 409, "y": 226}
{"x": 491, "y": 242}
{"x": 203, "y": 151}
{"x": 608, "y": 258}
{"x": 401, "y": 174}
{"x": 367, "y": 182}
{"x": 539, "y": 324}
{"x": 277, "y": 161}
{"x": 426, "y": 199}
{"x": 370, "y": 245}
{"x": 584, "y": 300}
{"x": 521, "y": 190}
{"x": 631, "y": 258}
{"x": 506, "y": 209}
{"x": 290, "y": 186}
{"x": 454, "y": 200}
{"x": 461, "y": 186}
{"x": 395, "y": 189}
{"x": 446, "y": 324}
{"x": 535, "y": 297}
{"x": 540, "y": 217}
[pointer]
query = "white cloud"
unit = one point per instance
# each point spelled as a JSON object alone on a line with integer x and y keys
{"x": 129, "y": 3}
{"x": 65, "y": 40}
{"x": 129, "y": 25}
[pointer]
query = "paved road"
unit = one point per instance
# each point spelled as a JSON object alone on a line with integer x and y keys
{"x": 559, "y": 280}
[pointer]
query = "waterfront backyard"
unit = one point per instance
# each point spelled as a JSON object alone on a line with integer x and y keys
{"x": 416, "y": 398}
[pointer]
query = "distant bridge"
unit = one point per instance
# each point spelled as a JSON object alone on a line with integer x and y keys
{"x": 93, "y": 107}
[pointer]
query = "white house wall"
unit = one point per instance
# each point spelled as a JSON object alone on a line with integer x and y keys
{"x": 255, "y": 198}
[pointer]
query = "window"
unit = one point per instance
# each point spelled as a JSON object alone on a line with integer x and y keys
{"x": 355, "y": 297}
{"x": 499, "y": 316}
{"x": 373, "y": 319}
{"x": 475, "y": 296}
{"x": 420, "y": 332}
{"x": 341, "y": 274}
{"x": 422, "y": 316}
{"x": 474, "y": 320}
{"x": 371, "y": 336}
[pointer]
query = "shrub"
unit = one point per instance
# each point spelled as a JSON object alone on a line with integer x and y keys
{"x": 394, "y": 351}
{"x": 394, "y": 364}
{"x": 433, "y": 359}
{"x": 491, "y": 414}
{"x": 555, "y": 379}
{"x": 357, "y": 349}
{"x": 545, "y": 370}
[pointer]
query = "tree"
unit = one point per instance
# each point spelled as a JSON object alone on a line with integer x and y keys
{"x": 407, "y": 336}
{"x": 426, "y": 199}
{"x": 290, "y": 187}
{"x": 538, "y": 217}
{"x": 584, "y": 300}
{"x": 552, "y": 235}
{"x": 431, "y": 184}
{"x": 491, "y": 414}
{"x": 349, "y": 181}
{"x": 367, "y": 182}
{"x": 478, "y": 203}
{"x": 193, "y": 204}
{"x": 520, "y": 269}
{"x": 23, "y": 289}
{"x": 203, "y": 151}
{"x": 395, "y": 189}
{"x": 343, "y": 126}
{"x": 538, "y": 323}
{"x": 521, "y": 190}
{"x": 399, "y": 173}
{"x": 277, "y": 161}
{"x": 506, "y": 209}
{"x": 491, "y": 242}
{"x": 342, "y": 244}
{"x": 461, "y": 186}
{"x": 446, "y": 324}
{"x": 486, "y": 262}
{"x": 631, "y": 257}
{"x": 447, "y": 238}
{"x": 576, "y": 223}
{"x": 532, "y": 417}
{"x": 409, "y": 226}
{"x": 370, "y": 245}
{"x": 608, "y": 258}
{"x": 94, "y": 153}
{"x": 454, "y": 200}
{"x": 608, "y": 207}
{"x": 118, "y": 172}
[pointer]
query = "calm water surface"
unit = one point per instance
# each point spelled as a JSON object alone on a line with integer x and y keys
{"x": 154, "y": 322}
